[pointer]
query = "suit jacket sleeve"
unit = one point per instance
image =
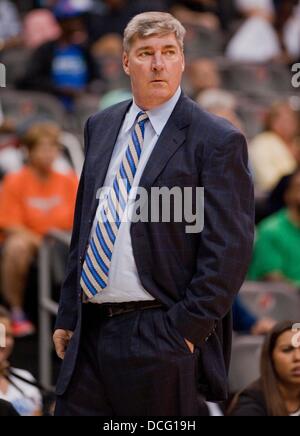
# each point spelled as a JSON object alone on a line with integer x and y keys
{"x": 68, "y": 306}
{"x": 225, "y": 244}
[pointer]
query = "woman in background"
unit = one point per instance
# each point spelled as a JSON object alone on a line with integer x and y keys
{"x": 16, "y": 385}
{"x": 277, "y": 392}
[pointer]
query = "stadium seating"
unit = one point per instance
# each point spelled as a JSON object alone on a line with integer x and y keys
{"x": 245, "y": 362}
{"x": 279, "y": 301}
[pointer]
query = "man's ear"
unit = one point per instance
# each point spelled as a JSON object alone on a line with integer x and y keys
{"x": 183, "y": 64}
{"x": 126, "y": 63}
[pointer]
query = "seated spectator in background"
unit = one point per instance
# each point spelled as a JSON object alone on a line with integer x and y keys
{"x": 276, "y": 200}
{"x": 207, "y": 13}
{"x": 244, "y": 322}
{"x": 16, "y": 384}
{"x": 63, "y": 67}
{"x": 107, "y": 52}
{"x": 10, "y": 25}
{"x": 39, "y": 27}
{"x": 277, "y": 393}
{"x": 221, "y": 103}
{"x": 276, "y": 254}
{"x": 288, "y": 28}
{"x": 201, "y": 13}
{"x": 275, "y": 152}
{"x": 256, "y": 40}
{"x": 114, "y": 15}
{"x": 202, "y": 75}
{"x": 32, "y": 202}
{"x": 109, "y": 45}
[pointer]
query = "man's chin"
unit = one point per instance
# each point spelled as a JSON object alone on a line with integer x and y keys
{"x": 162, "y": 91}
{"x": 159, "y": 85}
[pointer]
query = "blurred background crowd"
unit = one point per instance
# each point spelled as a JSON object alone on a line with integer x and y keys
{"x": 63, "y": 62}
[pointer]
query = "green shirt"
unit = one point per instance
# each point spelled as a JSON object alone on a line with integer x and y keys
{"x": 277, "y": 249}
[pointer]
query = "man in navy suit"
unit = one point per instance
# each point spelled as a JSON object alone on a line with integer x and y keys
{"x": 144, "y": 322}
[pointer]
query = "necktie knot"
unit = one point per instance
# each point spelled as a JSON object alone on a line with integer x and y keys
{"x": 142, "y": 118}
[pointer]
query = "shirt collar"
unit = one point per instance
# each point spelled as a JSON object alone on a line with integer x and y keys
{"x": 158, "y": 116}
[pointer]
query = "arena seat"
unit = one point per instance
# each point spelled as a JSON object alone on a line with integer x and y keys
{"x": 22, "y": 105}
{"x": 245, "y": 363}
{"x": 279, "y": 301}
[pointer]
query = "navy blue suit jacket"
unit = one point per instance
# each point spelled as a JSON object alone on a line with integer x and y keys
{"x": 196, "y": 276}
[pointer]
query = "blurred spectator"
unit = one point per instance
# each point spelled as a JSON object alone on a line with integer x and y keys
{"x": 276, "y": 200}
{"x": 221, "y": 103}
{"x": 275, "y": 152}
{"x": 16, "y": 385}
{"x": 277, "y": 393}
{"x": 276, "y": 254}
{"x": 246, "y": 45}
{"x": 244, "y": 322}
{"x": 10, "y": 25}
{"x": 113, "y": 19}
{"x": 203, "y": 13}
{"x": 107, "y": 52}
{"x": 39, "y": 27}
{"x": 288, "y": 28}
{"x": 209, "y": 11}
{"x": 72, "y": 5}
{"x": 109, "y": 45}
{"x": 32, "y": 202}
{"x": 202, "y": 74}
{"x": 63, "y": 67}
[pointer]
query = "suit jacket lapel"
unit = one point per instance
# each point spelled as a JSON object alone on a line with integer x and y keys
{"x": 171, "y": 138}
{"x": 104, "y": 147}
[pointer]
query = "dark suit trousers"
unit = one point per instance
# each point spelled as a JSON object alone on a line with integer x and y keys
{"x": 135, "y": 364}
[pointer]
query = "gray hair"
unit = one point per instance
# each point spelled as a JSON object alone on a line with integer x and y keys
{"x": 153, "y": 23}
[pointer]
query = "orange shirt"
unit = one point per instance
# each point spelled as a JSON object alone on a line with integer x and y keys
{"x": 39, "y": 205}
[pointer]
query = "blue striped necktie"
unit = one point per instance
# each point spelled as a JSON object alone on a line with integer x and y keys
{"x": 95, "y": 272}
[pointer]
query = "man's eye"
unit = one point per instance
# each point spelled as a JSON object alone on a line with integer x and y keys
{"x": 145, "y": 54}
{"x": 170, "y": 52}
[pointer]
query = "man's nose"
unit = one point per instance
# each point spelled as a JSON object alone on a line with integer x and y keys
{"x": 157, "y": 63}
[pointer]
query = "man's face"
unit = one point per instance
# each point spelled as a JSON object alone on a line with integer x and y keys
{"x": 43, "y": 155}
{"x": 155, "y": 66}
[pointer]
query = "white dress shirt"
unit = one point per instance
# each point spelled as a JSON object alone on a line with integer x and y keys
{"x": 124, "y": 284}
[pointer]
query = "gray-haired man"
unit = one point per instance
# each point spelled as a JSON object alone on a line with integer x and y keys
{"x": 144, "y": 319}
